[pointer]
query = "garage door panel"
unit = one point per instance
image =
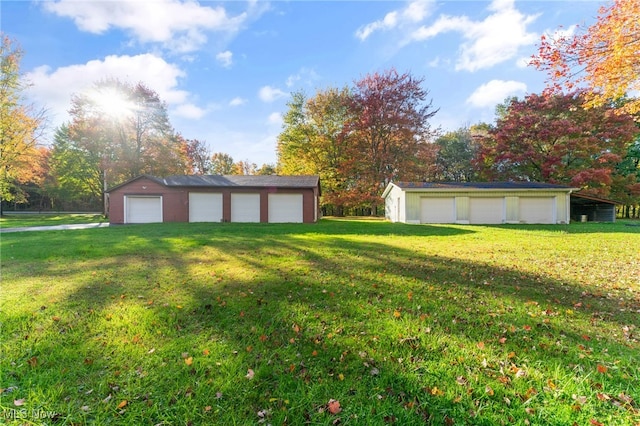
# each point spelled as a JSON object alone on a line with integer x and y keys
{"x": 437, "y": 210}
{"x": 143, "y": 209}
{"x": 285, "y": 208}
{"x": 537, "y": 210}
{"x": 205, "y": 207}
{"x": 486, "y": 211}
{"x": 245, "y": 207}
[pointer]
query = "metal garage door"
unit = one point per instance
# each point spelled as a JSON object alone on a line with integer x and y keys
{"x": 437, "y": 210}
{"x": 486, "y": 210}
{"x": 285, "y": 208}
{"x": 537, "y": 209}
{"x": 245, "y": 207}
{"x": 205, "y": 207}
{"x": 140, "y": 209}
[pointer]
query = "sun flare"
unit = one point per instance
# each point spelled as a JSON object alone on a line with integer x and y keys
{"x": 113, "y": 103}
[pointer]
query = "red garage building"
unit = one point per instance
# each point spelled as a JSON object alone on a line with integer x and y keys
{"x": 216, "y": 198}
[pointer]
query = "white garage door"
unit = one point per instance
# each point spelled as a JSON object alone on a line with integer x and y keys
{"x": 437, "y": 210}
{"x": 537, "y": 209}
{"x": 143, "y": 209}
{"x": 245, "y": 207}
{"x": 205, "y": 207}
{"x": 285, "y": 208}
{"x": 486, "y": 211}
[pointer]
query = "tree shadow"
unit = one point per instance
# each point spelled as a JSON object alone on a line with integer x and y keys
{"x": 310, "y": 311}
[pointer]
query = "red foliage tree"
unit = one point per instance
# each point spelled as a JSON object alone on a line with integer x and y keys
{"x": 553, "y": 139}
{"x": 389, "y": 128}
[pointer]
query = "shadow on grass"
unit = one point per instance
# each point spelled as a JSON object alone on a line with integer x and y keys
{"x": 392, "y": 333}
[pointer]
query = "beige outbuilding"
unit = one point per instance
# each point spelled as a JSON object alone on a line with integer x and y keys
{"x": 477, "y": 203}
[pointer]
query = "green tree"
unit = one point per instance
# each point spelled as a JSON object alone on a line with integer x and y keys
{"x": 20, "y": 126}
{"x": 222, "y": 164}
{"x": 76, "y": 171}
{"x": 454, "y": 158}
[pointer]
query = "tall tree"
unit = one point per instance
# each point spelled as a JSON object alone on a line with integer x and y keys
{"x": 198, "y": 156}
{"x": 602, "y": 57}
{"x": 390, "y": 126}
{"x": 314, "y": 141}
{"x": 126, "y": 128}
{"x": 222, "y": 164}
{"x": 20, "y": 126}
{"x": 455, "y": 153}
{"x": 76, "y": 172}
{"x": 552, "y": 139}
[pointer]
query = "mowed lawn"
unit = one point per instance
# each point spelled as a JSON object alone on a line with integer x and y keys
{"x": 340, "y": 322}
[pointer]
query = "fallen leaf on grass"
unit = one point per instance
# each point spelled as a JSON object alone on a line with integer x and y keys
{"x": 33, "y": 361}
{"x": 602, "y": 369}
{"x": 123, "y": 403}
{"x": 206, "y": 352}
{"x": 334, "y": 406}
{"x": 481, "y": 345}
{"x": 18, "y": 402}
{"x": 188, "y": 361}
{"x": 250, "y": 374}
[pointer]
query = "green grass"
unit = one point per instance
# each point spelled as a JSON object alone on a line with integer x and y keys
{"x": 236, "y": 324}
{"x": 9, "y": 220}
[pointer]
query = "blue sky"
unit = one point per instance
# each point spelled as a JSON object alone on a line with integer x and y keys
{"x": 227, "y": 69}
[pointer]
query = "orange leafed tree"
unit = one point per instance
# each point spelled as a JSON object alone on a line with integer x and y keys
{"x": 603, "y": 58}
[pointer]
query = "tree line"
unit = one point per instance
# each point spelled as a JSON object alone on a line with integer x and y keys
{"x": 582, "y": 130}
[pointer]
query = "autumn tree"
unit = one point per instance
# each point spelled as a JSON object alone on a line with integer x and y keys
{"x": 244, "y": 167}
{"x": 602, "y": 57}
{"x": 197, "y": 154}
{"x": 20, "y": 126}
{"x": 222, "y": 164}
{"x": 126, "y": 128}
{"x": 553, "y": 139}
{"x": 314, "y": 141}
{"x": 389, "y": 126}
{"x": 358, "y": 139}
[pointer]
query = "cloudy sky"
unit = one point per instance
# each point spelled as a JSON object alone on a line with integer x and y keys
{"x": 227, "y": 69}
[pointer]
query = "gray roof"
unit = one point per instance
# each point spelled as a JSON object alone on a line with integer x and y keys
{"x": 226, "y": 181}
{"x": 480, "y": 185}
{"x": 242, "y": 180}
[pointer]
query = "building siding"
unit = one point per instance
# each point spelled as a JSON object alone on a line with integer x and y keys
{"x": 412, "y": 205}
{"x": 175, "y": 200}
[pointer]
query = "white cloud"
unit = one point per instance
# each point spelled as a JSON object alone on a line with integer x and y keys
{"x": 306, "y": 75}
{"x": 270, "y": 94}
{"x": 178, "y": 25}
{"x": 237, "y": 102}
{"x": 225, "y": 58}
{"x": 496, "y": 39}
{"x": 494, "y": 92}
{"x": 189, "y": 111}
{"x": 54, "y": 88}
{"x": 414, "y": 12}
{"x": 275, "y": 118}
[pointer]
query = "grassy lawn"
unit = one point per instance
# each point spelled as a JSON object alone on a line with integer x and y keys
{"x": 9, "y": 220}
{"x": 341, "y": 322}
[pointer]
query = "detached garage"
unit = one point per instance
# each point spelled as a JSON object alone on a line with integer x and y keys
{"x": 216, "y": 198}
{"x": 480, "y": 203}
